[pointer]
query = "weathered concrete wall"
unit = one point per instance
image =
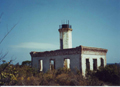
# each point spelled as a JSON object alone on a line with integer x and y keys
{"x": 76, "y": 55}
{"x": 89, "y": 54}
{"x": 59, "y": 61}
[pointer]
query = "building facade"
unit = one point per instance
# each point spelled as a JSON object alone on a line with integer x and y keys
{"x": 83, "y": 58}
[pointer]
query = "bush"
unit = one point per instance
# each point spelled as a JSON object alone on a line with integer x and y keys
{"x": 8, "y": 75}
{"x": 92, "y": 80}
{"x": 63, "y": 70}
{"x": 111, "y": 74}
{"x": 26, "y": 75}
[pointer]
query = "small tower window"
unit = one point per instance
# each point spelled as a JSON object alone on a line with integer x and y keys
{"x": 61, "y": 43}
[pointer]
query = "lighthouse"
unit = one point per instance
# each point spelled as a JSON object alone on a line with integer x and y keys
{"x": 65, "y": 31}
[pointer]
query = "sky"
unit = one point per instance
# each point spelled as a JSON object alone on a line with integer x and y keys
{"x": 95, "y": 23}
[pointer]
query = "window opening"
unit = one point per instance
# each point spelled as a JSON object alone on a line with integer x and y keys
{"x": 41, "y": 65}
{"x": 67, "y": 63}
{"x": 87, "y": 64}
{"x": 52, "y": 64}
{"x": 61, "y": 43}
{"x": 94, "y": 64}
{"x": 102, "y": 62}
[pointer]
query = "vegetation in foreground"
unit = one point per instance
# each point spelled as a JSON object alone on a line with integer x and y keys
{"x": 25, "y": 75}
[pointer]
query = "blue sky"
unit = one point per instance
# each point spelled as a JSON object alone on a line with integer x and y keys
{"x": 95, "y": 23}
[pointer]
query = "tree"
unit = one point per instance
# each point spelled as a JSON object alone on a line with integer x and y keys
{"x": 27, "y": 63}
{"x": 2, "y": 56}
{"x": 3, "y": 61}
{"x": 8, "y": 31}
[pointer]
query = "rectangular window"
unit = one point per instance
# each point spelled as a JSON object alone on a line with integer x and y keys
{"x": 52, "y": 64}
{"x": 67, "y": 63}
{"x": 94, "y": 64}
{"x": 87, "y": 64}
{"x": 102, "y": 62}
{"x": 41, "y": 65}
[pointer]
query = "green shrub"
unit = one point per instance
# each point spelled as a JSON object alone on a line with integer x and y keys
{"x": 26, "y": 75}
{"x": 111, "y": 74}
{"x": 9, "y": 76}
{"x": 92, "y": 80}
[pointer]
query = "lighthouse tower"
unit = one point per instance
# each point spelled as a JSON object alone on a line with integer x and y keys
{"x": 65, "y": 36}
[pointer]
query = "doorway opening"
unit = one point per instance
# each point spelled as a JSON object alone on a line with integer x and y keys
{"x": 102, "y": 62}
{"x": 87, "y": 64}
{"x": 94, "y": 64}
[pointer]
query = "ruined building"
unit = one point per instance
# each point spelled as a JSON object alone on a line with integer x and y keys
{"x": 83, "y": 58}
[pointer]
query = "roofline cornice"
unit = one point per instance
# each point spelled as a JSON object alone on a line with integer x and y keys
{"x": 69, "y": 51}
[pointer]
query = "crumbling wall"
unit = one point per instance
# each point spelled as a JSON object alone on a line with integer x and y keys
{"x": 91, "y": 55}
{"x": 59, "y": 62}
{"x": 76, "y": 55}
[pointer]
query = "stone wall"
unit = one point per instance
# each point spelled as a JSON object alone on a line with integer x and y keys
{"x": 92, "y": 53}
{"x": 59, "y": 61}
{"x": 76, "y": 55}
